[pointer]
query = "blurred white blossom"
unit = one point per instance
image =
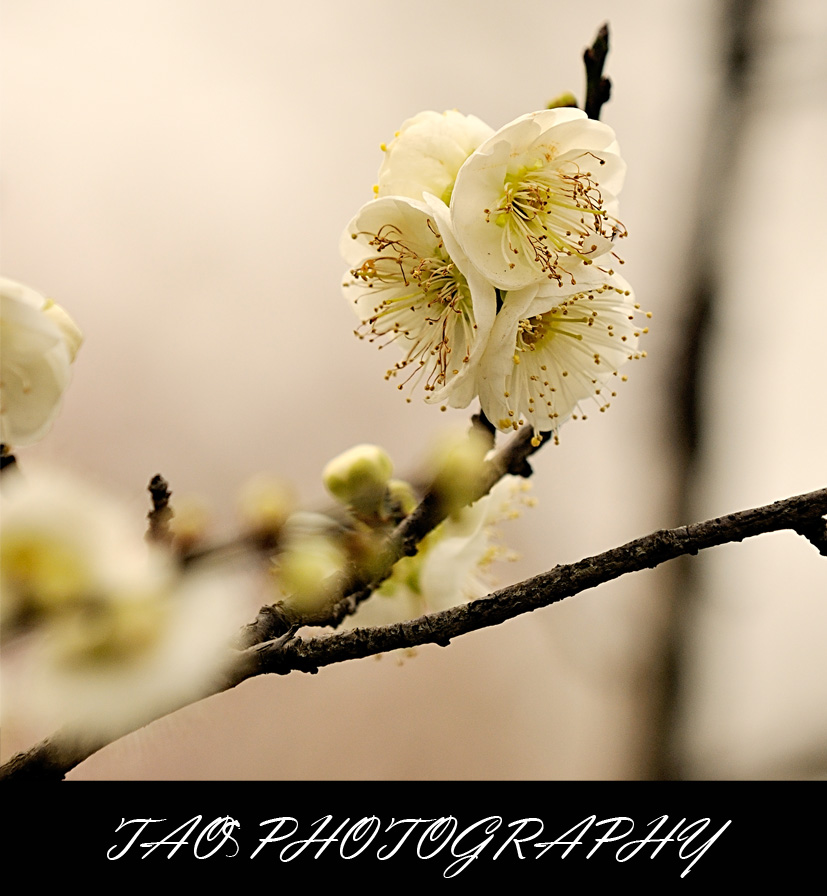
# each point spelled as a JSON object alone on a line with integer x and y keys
{"x": 38, "y": 342}
{"x": 100, "y": 629}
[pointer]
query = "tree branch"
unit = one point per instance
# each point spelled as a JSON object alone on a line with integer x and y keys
{"x": 802, "y": 513}
{"x": 53, "y": 758}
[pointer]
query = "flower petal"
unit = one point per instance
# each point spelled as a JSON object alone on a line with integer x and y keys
{"x": 427, "y": 153}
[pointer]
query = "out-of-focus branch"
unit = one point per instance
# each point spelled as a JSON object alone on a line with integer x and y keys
{"x": 666, "y": 684}
{"x": 7, "y": 459}
{"x": 53, "y": 758}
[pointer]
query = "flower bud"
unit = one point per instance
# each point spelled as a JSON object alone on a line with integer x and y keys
{"x": 359, "y": 478}
{"x": 564, "y": 100}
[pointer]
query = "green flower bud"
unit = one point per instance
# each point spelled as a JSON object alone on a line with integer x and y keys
{"x": 359, "y": 478}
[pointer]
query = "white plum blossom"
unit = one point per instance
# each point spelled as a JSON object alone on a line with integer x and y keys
{"x": 427, "y": 152}
{"x": 538, "y": 198}
{"x": 410, "y": 283}
{"x": 38, "y": 342}
{"x": 548, "y": 353}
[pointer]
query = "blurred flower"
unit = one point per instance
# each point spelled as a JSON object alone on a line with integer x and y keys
{"x": 413, "y": 284}
{"x": 38, "y": 342}
{"x": 309, "y": 571}
{"x": 62, "y": 544}
{"x": 264, "y": 504}
{"x": 453, "y": 562}
{"x": 547, "y": 354}
{"x": 141, "y": 652}
{"x": 538, "y": 198}
{"x": 427, "y": 152}
{"x": 190, "y": 523}
{"x": 115, "y": 634}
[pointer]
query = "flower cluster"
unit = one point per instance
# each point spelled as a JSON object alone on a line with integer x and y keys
{"x": 488, "y": 258}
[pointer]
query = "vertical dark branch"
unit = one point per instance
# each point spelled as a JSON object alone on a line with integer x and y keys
{"x": 700, "y": 302}
{"x": 598, "y": 88}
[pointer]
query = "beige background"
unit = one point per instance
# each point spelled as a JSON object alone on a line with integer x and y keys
{"x": 177, "y": 174}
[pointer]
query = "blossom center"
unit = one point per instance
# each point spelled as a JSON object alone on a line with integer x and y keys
{"x": 548, "y": 211}
{"x": 536, "y": 333}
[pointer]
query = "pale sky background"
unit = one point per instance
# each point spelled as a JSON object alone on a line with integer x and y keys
{"x": 177, "y": 174}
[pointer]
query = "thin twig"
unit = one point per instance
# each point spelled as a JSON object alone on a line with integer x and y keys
{"x": 598, "y": 88}
{"x": 161, "y": 514}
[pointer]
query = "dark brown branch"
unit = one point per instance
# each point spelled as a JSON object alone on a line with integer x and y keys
{"x": 53, "y": 758}
{"x": 815, "y": 532}
{"x": 598, "y": 88}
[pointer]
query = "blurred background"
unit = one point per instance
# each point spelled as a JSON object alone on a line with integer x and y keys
{"x": 177, "y": 174}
